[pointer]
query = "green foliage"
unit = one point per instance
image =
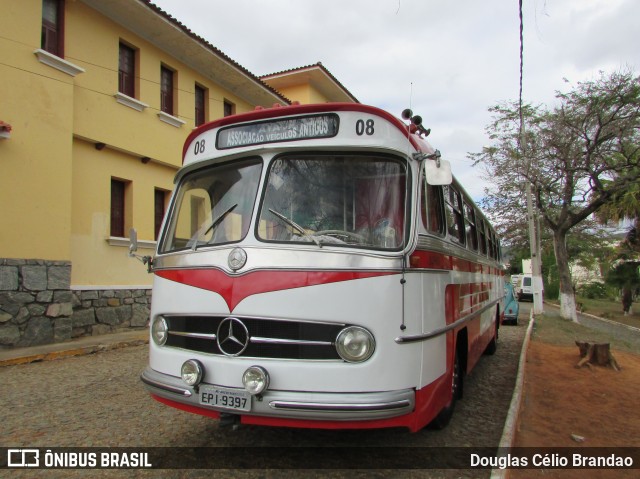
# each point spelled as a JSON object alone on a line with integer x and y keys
{"x": 516, "y": 255}
{"x": 596, "y": 290}
{"x": 552, "y": 289}
{"x": 624, "y": 205}
{"x": 624, "y": 275}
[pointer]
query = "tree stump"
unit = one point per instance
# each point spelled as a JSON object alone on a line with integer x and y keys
{"x": 596, "y": 353}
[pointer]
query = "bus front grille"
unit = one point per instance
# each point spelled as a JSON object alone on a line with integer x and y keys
{"x": 254, "y": 337}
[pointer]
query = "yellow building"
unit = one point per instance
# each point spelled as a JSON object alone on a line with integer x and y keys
{"x": 310, "y": 84}
{"x": 97, "y": 100}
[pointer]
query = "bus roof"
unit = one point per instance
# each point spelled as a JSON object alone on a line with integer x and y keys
{"x": 278, "y": 111}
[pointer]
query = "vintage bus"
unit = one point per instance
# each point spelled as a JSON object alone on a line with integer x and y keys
{"x": 319, "y": 267}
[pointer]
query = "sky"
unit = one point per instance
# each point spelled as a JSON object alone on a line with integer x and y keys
{"x": 448, "y": 60}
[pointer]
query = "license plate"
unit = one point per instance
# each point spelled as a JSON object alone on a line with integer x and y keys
{"x": 235, "y": 399}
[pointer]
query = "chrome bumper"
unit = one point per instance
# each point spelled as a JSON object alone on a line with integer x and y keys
{"x": 295, "y": 404}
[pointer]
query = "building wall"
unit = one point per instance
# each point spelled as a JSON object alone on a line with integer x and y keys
{"x": 61, "y": 274}
{"x": 304, "y": 93}
{"x": 37, "y": 100}
{"x": 129, "y": 136}
{"x": 93, "y": 42}
{"x": 97, "y": 260}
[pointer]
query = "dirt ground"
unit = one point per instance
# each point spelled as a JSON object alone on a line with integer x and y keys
{"x": 564, "y": 406}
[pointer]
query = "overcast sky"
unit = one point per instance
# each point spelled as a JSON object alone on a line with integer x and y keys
{"x": 450, "y": 60}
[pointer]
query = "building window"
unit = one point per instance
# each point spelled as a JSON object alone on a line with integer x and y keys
{"x": 158, "y": 210}
{"x": 117, "y": 207}
{"x": 52, "y": 27}
{"x": 229, "y": 108}
{"x": 201, "y": 97}
{"x": 127, "y": 71}
{"x": 166, "y": 90}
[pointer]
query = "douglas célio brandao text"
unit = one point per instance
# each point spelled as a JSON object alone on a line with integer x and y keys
{"x": 551, "y": 460}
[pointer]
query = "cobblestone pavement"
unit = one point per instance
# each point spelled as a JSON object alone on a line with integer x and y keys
{"x": 98, "y": 401}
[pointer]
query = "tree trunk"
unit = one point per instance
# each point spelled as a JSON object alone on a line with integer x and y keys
{"x": 596, "y": 353}
{"x": 627, "y": 299}
{"x": 567, "y": 294}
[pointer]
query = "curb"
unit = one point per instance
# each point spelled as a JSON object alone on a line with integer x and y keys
{"x": 511, "y": 422}
{"x": 62, "y": 350}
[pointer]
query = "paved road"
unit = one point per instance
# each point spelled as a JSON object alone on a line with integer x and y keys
{"x": 98, "y": 401}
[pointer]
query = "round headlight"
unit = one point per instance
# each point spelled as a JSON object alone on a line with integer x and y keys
{"x": 192, "y": 372}
{"x": 255, "y": 380}
{"x": 355, "y": 344}
{"x": 159, "y": 330}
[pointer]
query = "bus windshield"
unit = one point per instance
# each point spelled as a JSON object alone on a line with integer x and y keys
{"x": 337, "y": 200}
{"x": 213, "y": 206}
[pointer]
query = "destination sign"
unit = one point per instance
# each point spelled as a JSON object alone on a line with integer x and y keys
{"x": 273, "y": 131}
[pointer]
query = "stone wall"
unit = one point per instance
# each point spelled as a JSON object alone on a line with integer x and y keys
{"x": 37, "y": 305}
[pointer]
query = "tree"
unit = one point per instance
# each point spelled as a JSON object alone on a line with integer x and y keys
{"x": 625, "y": 206}
{"x": 577, "y": 155}
{"x": 625, "y": 275}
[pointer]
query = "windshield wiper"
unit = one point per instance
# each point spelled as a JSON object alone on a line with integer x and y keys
{"x": 214, "y": 225}
{"x": 297, "y": 227}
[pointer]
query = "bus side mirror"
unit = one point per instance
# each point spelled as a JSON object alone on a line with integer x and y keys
{"x": 438, "y": 172}
{"x": 133, "y": 242}
{"x": 133, "y": 247}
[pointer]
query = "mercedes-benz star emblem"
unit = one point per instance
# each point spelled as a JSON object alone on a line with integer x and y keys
{"x": 232, "y": 337}
{"x": 237, "y": 259}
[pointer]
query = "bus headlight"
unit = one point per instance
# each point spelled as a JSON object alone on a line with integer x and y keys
{"x": 255, "y": 380}
{"x": 159, "y": 331}
{"x": 192, "y": 372}
{"x": 355, "y": 344}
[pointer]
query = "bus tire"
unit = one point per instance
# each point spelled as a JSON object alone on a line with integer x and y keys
{"x": 444, "y": 416}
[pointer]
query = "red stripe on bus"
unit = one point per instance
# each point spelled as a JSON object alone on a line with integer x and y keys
{"x": 234, "y": 289}
{"x": 432, "y": 260}
{"x": 187, "y": 407}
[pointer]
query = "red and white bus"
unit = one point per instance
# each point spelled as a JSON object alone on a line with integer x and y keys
{"x": 319, "y": 267}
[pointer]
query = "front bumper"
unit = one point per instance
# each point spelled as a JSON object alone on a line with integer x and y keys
{"x": 320, "y": 406}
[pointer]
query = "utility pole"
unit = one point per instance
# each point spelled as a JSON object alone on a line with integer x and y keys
{"x": 534, "y": 226}
{"x": 536, "y": 260}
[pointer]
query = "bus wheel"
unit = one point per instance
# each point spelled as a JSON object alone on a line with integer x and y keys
{"x": 444, "y": 416}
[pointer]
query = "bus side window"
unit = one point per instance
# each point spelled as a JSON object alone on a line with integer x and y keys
{"x": 483, "y": 235}
{"x": 432, "y": 211}
{"x": 455, "y": 224}
{"x": 493, "y": 250}
{"x": 471, "y": 230}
